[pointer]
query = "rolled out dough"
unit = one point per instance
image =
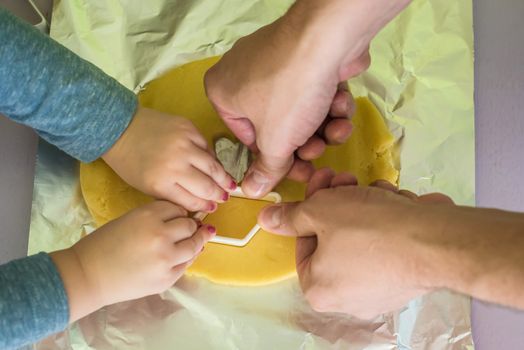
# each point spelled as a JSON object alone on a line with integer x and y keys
{"x": 267, "y": 258}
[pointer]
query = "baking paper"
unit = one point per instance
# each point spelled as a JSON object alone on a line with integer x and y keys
{"x": 421, "y": 79}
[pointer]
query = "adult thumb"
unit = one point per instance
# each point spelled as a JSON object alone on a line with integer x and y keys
{"x": 283, "y": 219}
{"x": 265, "y": 173}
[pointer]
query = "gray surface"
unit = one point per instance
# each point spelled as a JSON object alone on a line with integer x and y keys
{"x": 499, "y": 31}
{"x": 499, "y": 42}
{"x": 18, "y": 146}
{"x": 17, "y": 158}
{"x": 23, "y": 9}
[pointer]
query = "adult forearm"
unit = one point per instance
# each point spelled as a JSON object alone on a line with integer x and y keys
{"x": 348, "y": 24}
{"x": 370, "y": 15}
{"x": 480, "y": 252}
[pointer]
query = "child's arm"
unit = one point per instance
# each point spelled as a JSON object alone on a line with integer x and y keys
{"x": 142, "y": 253}
{"x": 77, "y": 107}
{"x": 33, "y": 301}
{"x": 67, "y": 100}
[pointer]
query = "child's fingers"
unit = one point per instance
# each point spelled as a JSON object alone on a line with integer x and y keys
{"x": 201, "y": 185}
{"x": 166, "y": 210}
{"x": 188, "y": 248}
{"x": 180, "y": 195}
{"x": 179, "y": 270}
{"x": 199, "y": 140}
{"x": 205, "y": 162}
{"x": 181, "y": 228}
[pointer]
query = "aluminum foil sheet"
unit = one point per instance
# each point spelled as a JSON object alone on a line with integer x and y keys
{"x": 421, "y": 80}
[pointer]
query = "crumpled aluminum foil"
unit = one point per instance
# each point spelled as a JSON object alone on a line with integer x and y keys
{"x": 422, "y": 82}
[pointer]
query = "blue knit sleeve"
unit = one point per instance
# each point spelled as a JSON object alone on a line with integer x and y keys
{"x": 33, "y": 301}
{"x": 67, "y": 100}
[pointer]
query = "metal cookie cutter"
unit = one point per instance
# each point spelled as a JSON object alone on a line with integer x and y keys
{"x": 235, "y": 159}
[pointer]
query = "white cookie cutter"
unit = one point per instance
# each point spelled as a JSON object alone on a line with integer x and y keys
{"x": 241, "y": 242}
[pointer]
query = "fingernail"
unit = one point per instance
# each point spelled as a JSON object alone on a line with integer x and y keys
{"x": 233, "y": 185}
{"x": 257, "y": 183}
{"x": 211, "y": 207}
{"x": 211, "y": 229}
{"x": 274, "y": 214}
{"x": 225, "y": 197}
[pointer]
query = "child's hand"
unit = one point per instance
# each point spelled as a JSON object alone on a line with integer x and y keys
{"x": 166, "y": 157}
{"x": 144, "y": 252}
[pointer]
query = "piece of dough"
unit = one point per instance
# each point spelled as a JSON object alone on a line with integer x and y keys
{"x": 267, "y": 258}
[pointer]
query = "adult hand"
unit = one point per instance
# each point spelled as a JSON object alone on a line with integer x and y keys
{"x": 142, "y": 253}
{"x": 166, "y": 156}
{"x": 361, "y": 250}
{"x": 279, "y": 89}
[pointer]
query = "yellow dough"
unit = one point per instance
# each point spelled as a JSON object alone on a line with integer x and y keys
{"x": 267, "y": 258}
{"x": 370, "y": 152}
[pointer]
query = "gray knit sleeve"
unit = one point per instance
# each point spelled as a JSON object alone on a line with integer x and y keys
{"x": 67, "y": 100}
{"x": 33, "y": 302}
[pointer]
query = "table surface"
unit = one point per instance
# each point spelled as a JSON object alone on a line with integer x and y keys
{"x": 499, "y": 122}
